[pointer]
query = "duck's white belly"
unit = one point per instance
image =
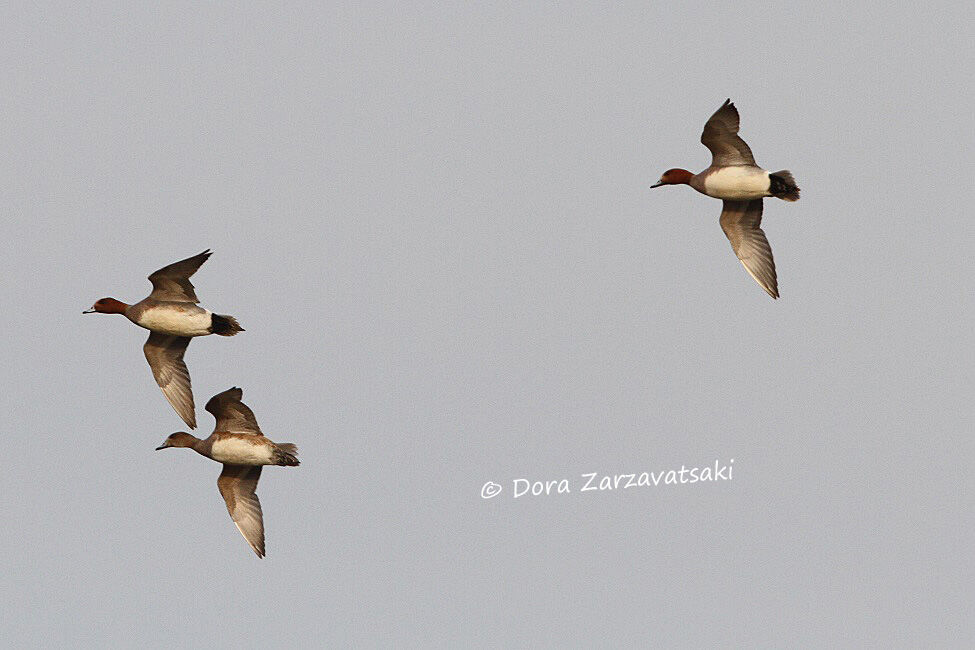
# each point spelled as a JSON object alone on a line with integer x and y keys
{"x": 177, "y": 320}
{"x": 737, "y": 183}
{"x": 241, "y": 451}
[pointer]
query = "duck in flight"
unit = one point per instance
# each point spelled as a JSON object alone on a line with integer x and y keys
{"x": 173, "y": 317}
{"x": 734, "y": 178}
{"x": 238, "y": 443}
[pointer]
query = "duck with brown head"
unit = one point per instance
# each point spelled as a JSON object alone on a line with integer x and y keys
{"x": 741, "y": 184}
{"x": 173, "y": 318}
{"x": 238, "y": 443}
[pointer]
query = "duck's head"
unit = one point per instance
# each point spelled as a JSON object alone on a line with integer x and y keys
{"x": 107, "y": 306}
{"x": 674, "y": 177}
{"x": 178, "y": 439}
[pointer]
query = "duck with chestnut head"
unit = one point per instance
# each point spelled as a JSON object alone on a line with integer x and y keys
{"x": 173, "y": 318}
{"x": 741, "y": 184}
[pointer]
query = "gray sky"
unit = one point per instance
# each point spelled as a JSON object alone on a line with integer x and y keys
{"x": 435, "y": 224}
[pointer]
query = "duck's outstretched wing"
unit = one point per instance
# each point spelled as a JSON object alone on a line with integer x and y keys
{"x": 233, "y": 416}
{"x": 721, "y": 137}
{"x": 173, "y": 282}
{"x": 741, "y": 222}
{"x": 238, "y": 486}
{"x": 164, "y": 353}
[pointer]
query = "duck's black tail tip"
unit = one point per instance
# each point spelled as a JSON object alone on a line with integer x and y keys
{"x": 224, "y": 325}
{"x": 783, "y": 186}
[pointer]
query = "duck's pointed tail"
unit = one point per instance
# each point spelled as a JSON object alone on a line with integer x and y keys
{"x": 286, "y": 454}
{"x": 783, "y": 186}
{"x": 224, "y": 325}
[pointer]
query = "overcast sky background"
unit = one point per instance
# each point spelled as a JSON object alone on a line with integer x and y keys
{"x": 434, "y": 223}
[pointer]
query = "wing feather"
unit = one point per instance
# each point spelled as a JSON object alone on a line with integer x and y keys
{"x": 233, "y": 416}
{"x": 721, "y": 137}
{"x": 172, "y": 283}
{"x": 238, "y": 486}
{"x": 741, "y": 222}
{"x": 164, "y": 353}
